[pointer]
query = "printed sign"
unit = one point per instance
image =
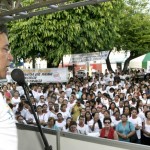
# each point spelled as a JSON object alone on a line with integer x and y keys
{"x": 45, "y": 75}
{"x": 86, "y": 57}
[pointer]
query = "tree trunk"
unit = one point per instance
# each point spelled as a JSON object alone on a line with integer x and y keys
{"x": 33, "y": 62}
{"x": 51, "y": 65}
{"x": 133, "y": 54}
{"x": 108, "y": 63}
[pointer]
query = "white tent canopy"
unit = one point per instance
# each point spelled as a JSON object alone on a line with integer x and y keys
{"x": 137, "y": 62}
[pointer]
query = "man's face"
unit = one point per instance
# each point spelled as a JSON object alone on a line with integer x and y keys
{"x": 5, "y": 56}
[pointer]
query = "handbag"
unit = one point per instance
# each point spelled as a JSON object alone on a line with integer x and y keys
{"x": 133, "y": 138}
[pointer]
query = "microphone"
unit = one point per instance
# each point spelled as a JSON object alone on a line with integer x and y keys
{"x": 18, "y": 76}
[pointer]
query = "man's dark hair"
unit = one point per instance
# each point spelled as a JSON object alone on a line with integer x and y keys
{"x": 3, "y": 29}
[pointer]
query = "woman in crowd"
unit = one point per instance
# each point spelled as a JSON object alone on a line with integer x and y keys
{"x": 139, "y": 105}
{"x": 51, "y": 124}
{"x": 112, "y": 107}
{"x": 73, "y": 127}
{"x": 133, "y": 102}
{"x": 43, "y": 118}
{"x": 20, "y": 119}
{"x": 16, "y": 99}
{"x": 137, "y": 122}
{"x": 88, "y": 117}
{"x": 7, "y": 94}
{"x": 45, "y": 108}
{"x": 125, "y": 129}
{"x": 126, "y": 111}
{"x": 105, "y": 100}
{"x": 29, "y": 116}
{"x": 107, "y": 131}
{"x": 64, "y": 112}
{"x": 127, "y": 103}
{"x": 146, "y": 129}
{"x": 84, "y": 98}
{"x": 117, "y": 118}
{"x": 95, "y": 124}
{"x": 66, "y": 127}
{"x": 144, "y": 98}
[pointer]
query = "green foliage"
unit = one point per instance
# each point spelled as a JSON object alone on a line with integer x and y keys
{"x": 79, "y": 30}
{"x": 135, "y": 27}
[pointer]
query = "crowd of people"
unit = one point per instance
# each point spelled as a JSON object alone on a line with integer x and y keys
{"x": 105, "y": 105}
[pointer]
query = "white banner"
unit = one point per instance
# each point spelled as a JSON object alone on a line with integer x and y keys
{"x": 86, "y": 57}
{"x": 45, "y": 75}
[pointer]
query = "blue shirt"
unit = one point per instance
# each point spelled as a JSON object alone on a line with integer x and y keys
{"x": 129, "y": 127}
{"x": 53, "y": 128}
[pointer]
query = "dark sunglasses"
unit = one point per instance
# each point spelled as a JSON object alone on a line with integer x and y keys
{"x": 106, "y": 122}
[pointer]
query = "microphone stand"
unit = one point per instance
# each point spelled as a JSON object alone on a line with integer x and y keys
{"x": 26, "y": 90}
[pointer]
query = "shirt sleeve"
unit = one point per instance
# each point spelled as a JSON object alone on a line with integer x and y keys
{"x": 131, "y": 126}
{"x": 139, "y": 122}
{"x": 117, "y": 127}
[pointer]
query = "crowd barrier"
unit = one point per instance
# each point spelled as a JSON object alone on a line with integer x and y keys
{"x": 30, "y": 139}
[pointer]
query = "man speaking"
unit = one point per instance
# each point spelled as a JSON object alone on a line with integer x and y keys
{"x": 8, "y": 131}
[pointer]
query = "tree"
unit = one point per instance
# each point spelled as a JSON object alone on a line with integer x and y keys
{"x": 134, "y": 30}
{"x": 78, "y": 30}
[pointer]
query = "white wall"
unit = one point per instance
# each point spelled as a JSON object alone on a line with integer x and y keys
{"x": 29, "y": 139}
{"x": 38, "y": 65}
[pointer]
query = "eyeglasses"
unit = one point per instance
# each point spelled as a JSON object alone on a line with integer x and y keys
{"x": 106, "y": 122}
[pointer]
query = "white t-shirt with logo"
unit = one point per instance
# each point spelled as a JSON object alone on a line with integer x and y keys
{"x": 8, "y": 130}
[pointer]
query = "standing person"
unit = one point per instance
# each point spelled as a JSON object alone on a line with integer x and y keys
{"x": 125, "y": 129}
{"x": 146, "y": 129}
{"x": 137, "y": 122}
{"x": 76, "y": 110}
{"x": 8, "y": 131}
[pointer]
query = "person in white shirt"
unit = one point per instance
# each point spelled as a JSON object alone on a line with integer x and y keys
{"x": 105, "y": 100}
{"x": 60, "y": 123}
{"x": 40, "y": 92}
{"x": 29, "y": 116}
{"x": 146, "y": 129}
{"x": 141, "y": 114}
{"x": 137, "y": 122}
{"x": 8, "y": 131}
{"x": 121, "y": 105}
{"x": 42, "y": 101}
{"x": 117, "y": 118}
{"x": 66, "y": 127}
{"x": 117, "y": 100}
{"x": 95, "y": 124}
{"x": 43, "y": 118}
{"x": 20, "y": 119}
{"x": 110, "y": 85}
{"x": 68, "y": 90}
{"x": 82, "y": 127}
{"x": 64, "y": 111}
{"x": 35, "y": 93}
{"x": 15, "y": 99}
